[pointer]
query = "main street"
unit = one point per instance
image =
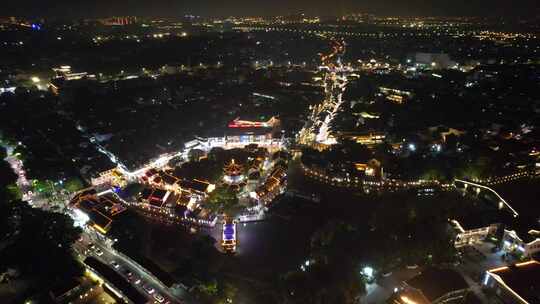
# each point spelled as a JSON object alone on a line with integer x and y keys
{"x": 103, "y": 252}
{"x": 35, "y": 198}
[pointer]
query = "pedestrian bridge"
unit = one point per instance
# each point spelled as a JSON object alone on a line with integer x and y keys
{"x": 480, "y": 187}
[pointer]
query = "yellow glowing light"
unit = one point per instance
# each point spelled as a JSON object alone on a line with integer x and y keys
{"x": 407, "y": 300}
{"x": 99, "y": 228}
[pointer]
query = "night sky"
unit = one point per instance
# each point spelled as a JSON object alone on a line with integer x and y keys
{"x": 173, "y": 8}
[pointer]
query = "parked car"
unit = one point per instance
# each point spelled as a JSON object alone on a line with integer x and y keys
{"x": 115, "y": 265}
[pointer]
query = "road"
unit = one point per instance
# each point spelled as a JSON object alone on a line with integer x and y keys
{"x": 36, "y": 199}
{"x": 380, "y": 291}
{"x": 110, "y": 255}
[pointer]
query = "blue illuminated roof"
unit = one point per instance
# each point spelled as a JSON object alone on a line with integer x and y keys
{"x": 228, "y": 232}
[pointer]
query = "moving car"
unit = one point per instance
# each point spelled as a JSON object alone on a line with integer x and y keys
{"x": 148, "y": 289}
{"x": 115, "y": 265}
{"x": 159, "y": 298}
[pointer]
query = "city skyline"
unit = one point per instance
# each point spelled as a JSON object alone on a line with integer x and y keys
{"x": 278, "y": 152}
{"x": 171, "y": 8}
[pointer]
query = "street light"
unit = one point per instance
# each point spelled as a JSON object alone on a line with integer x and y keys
{"x": 368, "y": 272}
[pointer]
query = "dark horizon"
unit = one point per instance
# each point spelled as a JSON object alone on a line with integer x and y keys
{"x": 171, "y": 8}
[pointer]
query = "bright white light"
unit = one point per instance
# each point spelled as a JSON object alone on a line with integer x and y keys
{"x": 412, "y": 147}
{"x": 35, "y": 79}
{"x": 80, "y": 218}
{"x": 368, "y": 272}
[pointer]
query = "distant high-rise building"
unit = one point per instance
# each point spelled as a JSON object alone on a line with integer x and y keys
{"x": 432, "y": 60}
{"x": 8, "y": 20}
{"x": 118, "y": 21}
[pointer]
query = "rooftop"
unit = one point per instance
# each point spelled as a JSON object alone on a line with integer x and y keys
{"x": 117, "y": 280}
{"x": 522, "y": 278}
{"x": 435, "y": 282}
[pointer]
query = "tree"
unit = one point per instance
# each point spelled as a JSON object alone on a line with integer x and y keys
{"x": 38, "y": 243}
{"x": 195, "y": 154}
{"x": 223, "y": 199}
{"x": 73, "y": 185}
{"x": 8, "y": 187}
{"x": 130, "y": 230}
{"x": 228, "y": 293}
{"x": 333, "y": 273}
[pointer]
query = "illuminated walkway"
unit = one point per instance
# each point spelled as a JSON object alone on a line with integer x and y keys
{"x": 480, "y": 186}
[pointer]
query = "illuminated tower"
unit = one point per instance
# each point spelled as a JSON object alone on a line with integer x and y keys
{"x": 233, "y": 174}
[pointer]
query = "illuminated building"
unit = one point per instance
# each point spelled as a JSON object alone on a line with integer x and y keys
{"x": 372, "y": 168}
{"x": 118, "y": 21}
{"x": 369, "y": 115}
{"x": 473, "y": 236}
{"x": 241, "y": 133}
{"x": 65, "y": 79}
{"x": 451, "y": 131}
{"x": 112, "y": 282}
{"x": 111, "y": 177}
{"x": 233, "y": 174}
{"x": 274, "y": 185}
{"x": 432, "y": 286}
{"x": 65, "y": 73}
{"x": 100, "y": 208}
{"x": 155, "y": 197}
{"x": 518, "y": 283}
{"x": 525, "y": 245}
{"x": 238, "y": 123}
{"x": 433, "y": 60}
{"x": 7, "y": 89}
{"x": 396, "y": 96}
{"x": 166, "y": 180}
{"x": 366, "y": 138}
